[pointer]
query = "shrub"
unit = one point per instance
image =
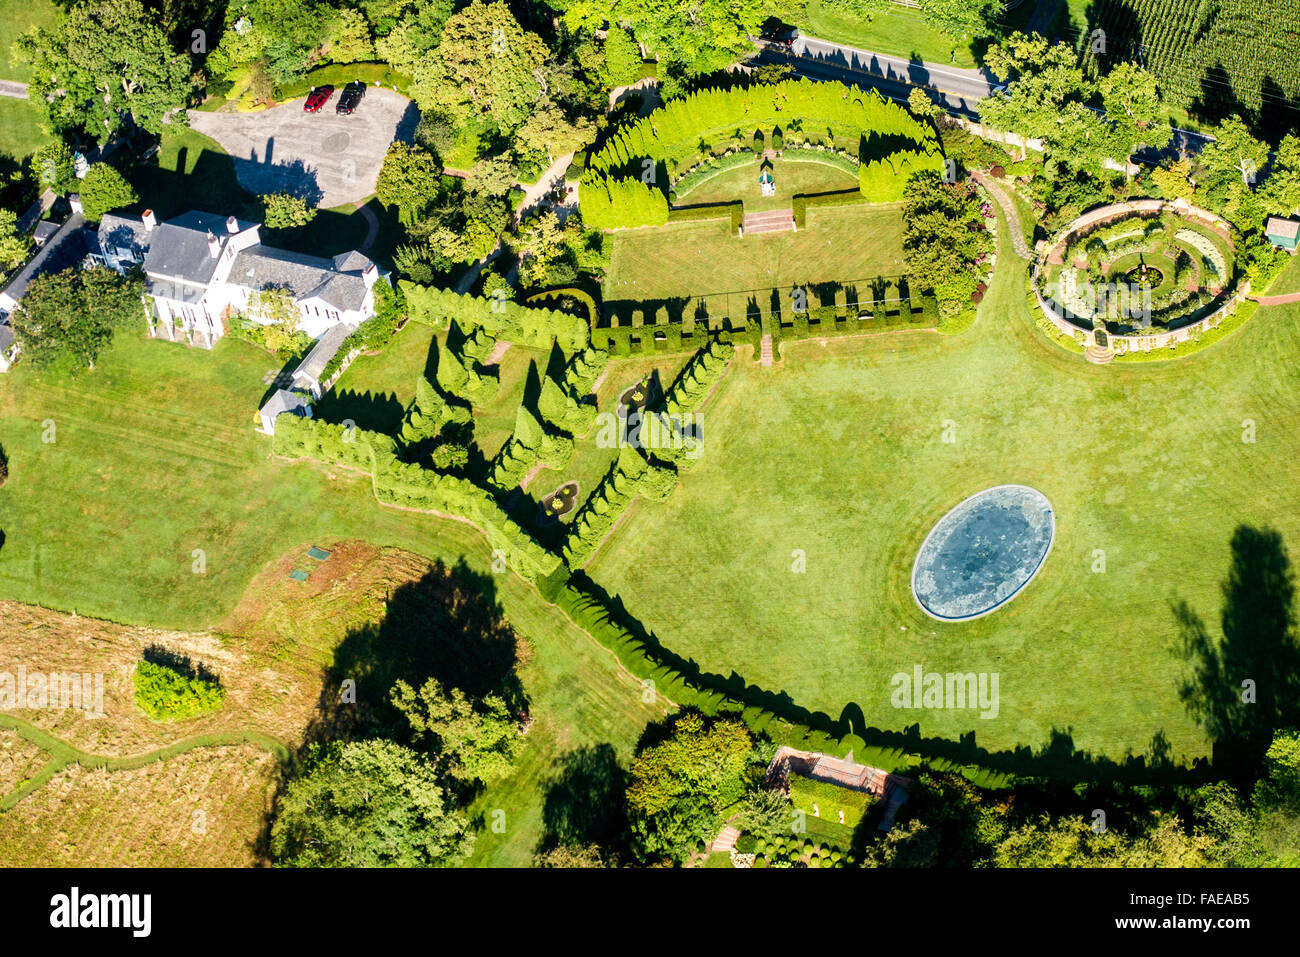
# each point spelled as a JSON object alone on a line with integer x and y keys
{"x": 746, "y": 844}
{"x": 4, "y": 466}
{"x": 510, "y": 321}
{"x": 165, "y": 694}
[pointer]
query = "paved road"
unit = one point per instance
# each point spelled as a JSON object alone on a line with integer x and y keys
{"x": 328, "y": 159}
{"x": 14, "y": 89}
{"x": 959, "y": 91}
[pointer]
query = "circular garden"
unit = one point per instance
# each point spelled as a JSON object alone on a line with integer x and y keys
{"x": 1137, "y": 269}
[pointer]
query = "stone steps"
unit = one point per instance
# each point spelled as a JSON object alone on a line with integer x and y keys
{"x": 1098, "y": 355}
{"x": 765, "y": 354}
{"x": 772, "y": 221}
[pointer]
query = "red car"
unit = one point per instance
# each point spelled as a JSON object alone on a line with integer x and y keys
{"x": 318, "y": 97}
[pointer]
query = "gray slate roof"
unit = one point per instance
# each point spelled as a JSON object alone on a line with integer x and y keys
{"x": 67, "y": 248}
{"x": 44, "y": 230}
{"x": 283, "y": 401}
{"x": 180, "y": 246}
{"x": 264, "y": 267}
{"x": 6, "y": 337}
{"x": 327, "y": 346}
{"x": 124, "y": 232}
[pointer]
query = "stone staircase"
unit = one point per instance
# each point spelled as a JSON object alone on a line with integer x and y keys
{"x": 765, "y": 349}
{"x": 772, "y": 221}
{"x": 1098, "y": 355}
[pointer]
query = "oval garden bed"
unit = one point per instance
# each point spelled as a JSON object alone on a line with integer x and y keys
{"x": 1136, "y": 274}
{"x": 983, "y": 553}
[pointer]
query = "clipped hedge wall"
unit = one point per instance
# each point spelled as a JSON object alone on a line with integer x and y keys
{"x": 527, "y": 446}
{"x": 802, "y": 202}
{"x": 410, "y": 486}
{"x": 298, "y": 437}
{"x": 502, "y": 319}
{"x": 734, "y": 210}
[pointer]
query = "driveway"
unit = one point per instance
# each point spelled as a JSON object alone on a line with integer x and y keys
{"x": 325, "y": 158}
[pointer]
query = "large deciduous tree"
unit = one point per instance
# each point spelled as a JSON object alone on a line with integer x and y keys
{"x": 104, "y": 189}
{"x": 104, "y": 60}
{"x": 368, "y": 804}
{"x": 67, "y": 319}
{"x": 487, "y": 68}
{"x": 1134, "y": 109}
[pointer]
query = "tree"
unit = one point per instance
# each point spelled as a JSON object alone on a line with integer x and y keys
{"x": 469, "y": 740}
{"x": 276, "y": 310}
{"x": 279, "y": 37}
{"x": 1044, "y": 78}
{"x": 13, "y": 244}
{"x": 285, "y": 211}
{"x": 408, "y": 180}
{"x": 565, "y": 856}
{"x": 622, "y": 58}
{"x": 960, "y": 18}
{"x": 368, "y": 804}
{"x": 69, "y": 318}
{"x": 764, "y": 813}
{"x": 104, "y": 59}
{"x": 486, "y": 68}
{"x": 1174, "y": 180}
{"x": 679, "y": 787}
{"x": 942, "y": 241}
{"x": 349, "y": 37}
{"x": 921, "y": 104}
{"x": 104, "y": 189}
{"x": 1281, "y": 192}
{"x": 1134, "y": 109}
{"x": 1231, "y": 164}
{"x": 55, "y": 171}
{"x": 549, "y": 133}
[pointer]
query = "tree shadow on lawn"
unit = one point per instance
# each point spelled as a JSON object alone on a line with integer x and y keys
{"x": 1059, "y": 757}
{"x": 1245, "y": 685}
{"x": 447, "y": 625}
{"x": 585, "y": 801}
{"x": 370, "y": 411}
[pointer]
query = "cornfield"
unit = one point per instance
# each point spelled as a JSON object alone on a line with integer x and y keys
{"x": 1212, "y": 57}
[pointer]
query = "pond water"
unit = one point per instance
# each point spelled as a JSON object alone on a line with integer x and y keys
{"x": 983, "y": 552}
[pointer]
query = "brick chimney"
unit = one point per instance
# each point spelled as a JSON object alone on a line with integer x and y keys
{"x": 370, "y": 275}
{"x": 214, "y": 246}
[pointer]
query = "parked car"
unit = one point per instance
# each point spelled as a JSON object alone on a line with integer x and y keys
{"x": 350, "y": 98}
{"x": 317, "y": 98}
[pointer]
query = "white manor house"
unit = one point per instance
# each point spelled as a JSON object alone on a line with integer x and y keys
{"x": 202, "y": 268}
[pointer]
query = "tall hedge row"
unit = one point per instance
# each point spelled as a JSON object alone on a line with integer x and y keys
{"x": 629, "y": 476}
{"x": 884, "y": 180}
{"x": 582, "y": 371}
{"x": 610, "y": 203}
{"x": 672, "y": 134}
{"x": 562, "y": 410}
{"x": 410, "y": 486}
{"x": 500, "y": 318}
{"x": 297, "y": 437}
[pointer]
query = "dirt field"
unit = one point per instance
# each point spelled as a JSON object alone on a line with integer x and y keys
{"x": 208, "y": 804}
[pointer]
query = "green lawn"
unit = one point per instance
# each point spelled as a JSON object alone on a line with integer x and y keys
{"x": 155, "y": 455}
{"x": 375, "y": 390}
{"x": 895, "y": 30}
{"x": 840, "y": 244}
{"x": 838, "y": 452}
{"x": 791, "y": 177}
{"x": 16, "y": 18}
{"x": 20, "y": 127}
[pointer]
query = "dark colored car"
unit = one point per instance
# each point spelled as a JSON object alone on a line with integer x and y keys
{"x": 317, "y": 98}
{"x": 780, "y": 34}
{"x": 350, "y": 98}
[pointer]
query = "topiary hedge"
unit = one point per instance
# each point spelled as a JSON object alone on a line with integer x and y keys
{"x": 501, "y": 318}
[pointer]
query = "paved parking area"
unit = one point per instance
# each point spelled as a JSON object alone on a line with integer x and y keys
{"x": 325, "y": 158}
